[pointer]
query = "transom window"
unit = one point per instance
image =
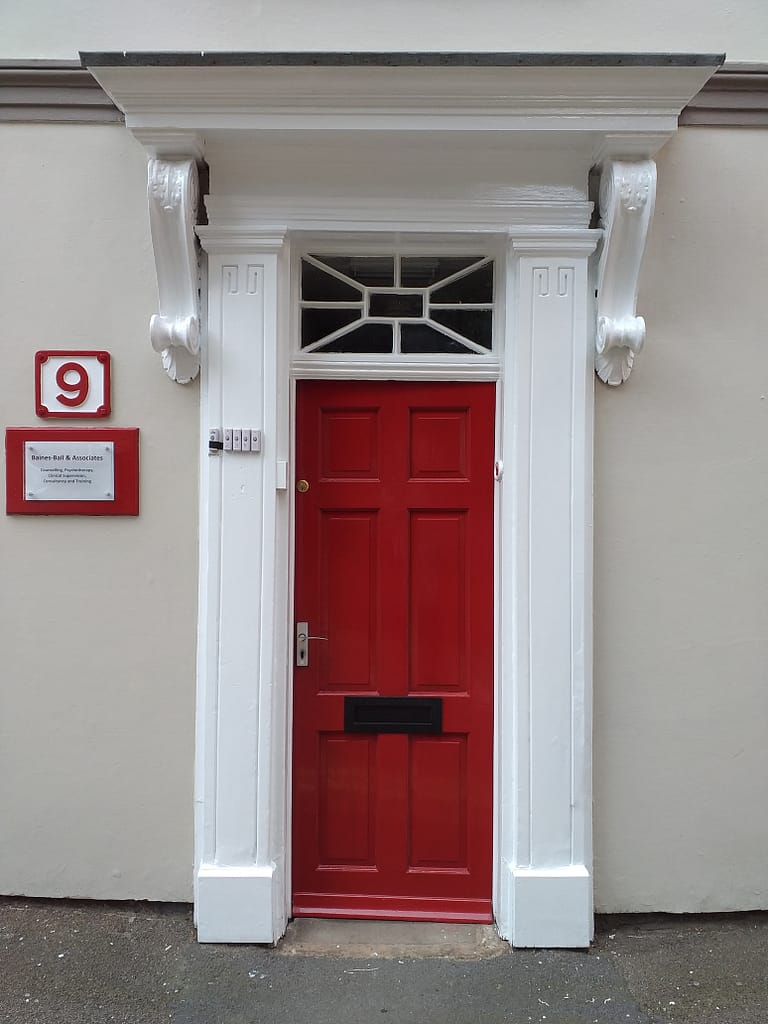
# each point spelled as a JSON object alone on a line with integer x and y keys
{"x": 397, "y": 304}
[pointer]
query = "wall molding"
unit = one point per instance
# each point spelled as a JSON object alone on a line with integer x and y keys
{"x": 735, "y": 97}
{"x": 52, "y": 92}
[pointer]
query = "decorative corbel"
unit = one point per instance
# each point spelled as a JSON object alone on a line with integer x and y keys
{"x": 172, "y": 191}
{"x": 627, "y": 197}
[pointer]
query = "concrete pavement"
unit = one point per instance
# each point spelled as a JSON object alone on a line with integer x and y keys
{"x": 78, "y": 962}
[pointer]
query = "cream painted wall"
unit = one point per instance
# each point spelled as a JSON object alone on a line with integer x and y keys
{"x": 681, "y": 506}
{"x": 97, "y": 615}
{"x": 52, "y": 29}
{"x": 96, "y": 745}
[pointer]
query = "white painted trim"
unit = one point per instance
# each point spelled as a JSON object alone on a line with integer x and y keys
{"x": 396, "y": 368}
{"x": 547, "y": 903}
{"x": 240, "y": 828}
{"x": 637, "y": 107}
{"x": 174, "y": 331}
{"x": 542, "y": 801}
{"x": 544, "y": 796}
{"x": 627, "y": 200}
{"x": 236, "y": 904}
{"x": 523, "y": 207}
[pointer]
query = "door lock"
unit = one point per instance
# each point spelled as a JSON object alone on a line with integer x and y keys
{"x": 302, "y": 644}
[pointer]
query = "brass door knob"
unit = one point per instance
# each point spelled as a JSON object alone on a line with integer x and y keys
{"x": 302, "y": 486}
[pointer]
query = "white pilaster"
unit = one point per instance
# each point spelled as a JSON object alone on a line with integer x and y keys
{"x": 545, "y": 883}
{"x": 240, "y": 877}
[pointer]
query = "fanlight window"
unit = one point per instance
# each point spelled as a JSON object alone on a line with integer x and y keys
{"x": 397, "y": 304}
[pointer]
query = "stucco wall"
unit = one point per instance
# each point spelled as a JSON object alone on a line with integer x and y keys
{"x": 59, "y": 30}
{"x": 681, "y": 505}
{"x": 97, "y": 615}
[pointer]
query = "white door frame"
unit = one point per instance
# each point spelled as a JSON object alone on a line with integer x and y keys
{"x": 543, "y": 874}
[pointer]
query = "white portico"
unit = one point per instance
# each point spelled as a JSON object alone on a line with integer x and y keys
{"x": 486, "y": 153}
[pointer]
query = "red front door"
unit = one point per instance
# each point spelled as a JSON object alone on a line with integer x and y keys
{"x": 394, "y": 566}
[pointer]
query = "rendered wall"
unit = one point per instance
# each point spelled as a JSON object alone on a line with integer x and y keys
{"x": 59, "y": 29}
{"x": 97, "y": 615}
{"x": 681, "y": 559}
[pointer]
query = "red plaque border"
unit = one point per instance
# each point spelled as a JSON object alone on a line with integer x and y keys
{"x": 126, "y": 442}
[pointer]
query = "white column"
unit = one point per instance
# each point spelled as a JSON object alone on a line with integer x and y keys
{"x": 240, "y": 840}
{"x": 545, "y": 815}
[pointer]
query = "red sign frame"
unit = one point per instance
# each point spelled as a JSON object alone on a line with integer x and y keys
{"x": 126, "y": 455}
{"x": 102, "y": 357}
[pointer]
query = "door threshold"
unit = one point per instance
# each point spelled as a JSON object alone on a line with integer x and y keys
{"x": 387, "y": 940}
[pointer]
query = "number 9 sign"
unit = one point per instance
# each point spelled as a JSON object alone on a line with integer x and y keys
{"x": 72, "y": 383}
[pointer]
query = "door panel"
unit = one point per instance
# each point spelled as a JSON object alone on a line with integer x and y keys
{"x": 437, "y": 802}
{"x": 349, "y": 545}
{"x": 394, "y": 566}
{"x": 437, "y": 624}
{"x": 346, "y": 797}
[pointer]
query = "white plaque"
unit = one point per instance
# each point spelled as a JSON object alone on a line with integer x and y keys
{"x": 69, "y": 470}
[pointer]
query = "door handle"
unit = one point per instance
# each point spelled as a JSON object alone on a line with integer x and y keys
{"x": 302, "y": 644}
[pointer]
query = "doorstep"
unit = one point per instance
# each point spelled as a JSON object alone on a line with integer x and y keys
{"x": 366, "y": 940}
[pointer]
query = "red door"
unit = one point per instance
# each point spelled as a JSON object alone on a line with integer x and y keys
{"x": 392, "y": 799}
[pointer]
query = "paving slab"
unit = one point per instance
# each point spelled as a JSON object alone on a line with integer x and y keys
{"x": 64, "y": 962}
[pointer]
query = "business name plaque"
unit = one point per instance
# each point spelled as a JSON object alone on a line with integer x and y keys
{"x": 69, "y": 470}
{"x": 86, "y": 471}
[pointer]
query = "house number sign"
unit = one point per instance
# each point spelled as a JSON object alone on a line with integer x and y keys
{"x": 72, "y": 383}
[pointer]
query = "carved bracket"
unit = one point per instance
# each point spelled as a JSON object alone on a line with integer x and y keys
{"x": 172, "y": 192}
{"x": 627, "y": 197}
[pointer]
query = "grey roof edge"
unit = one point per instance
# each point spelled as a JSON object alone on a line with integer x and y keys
{"x": 205, "y": 58}
{"x": 35, "y": 64}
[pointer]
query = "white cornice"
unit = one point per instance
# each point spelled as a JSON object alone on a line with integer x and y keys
{"x": 240, "y": 238}
{"x": 638, "y": 103}
{"x": 547, "y": 207}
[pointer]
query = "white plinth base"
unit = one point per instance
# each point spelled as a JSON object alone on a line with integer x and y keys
{"x": 239, "y": 904}
{"x": 551, "y": 908}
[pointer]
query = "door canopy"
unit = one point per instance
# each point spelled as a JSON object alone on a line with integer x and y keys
{"x": 595, "y": 110}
